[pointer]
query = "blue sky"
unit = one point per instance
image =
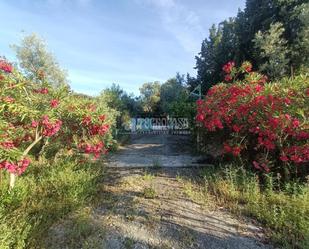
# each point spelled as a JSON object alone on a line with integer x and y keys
{"x": 128, "y": 42}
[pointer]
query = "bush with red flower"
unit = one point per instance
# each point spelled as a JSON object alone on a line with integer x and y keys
{"x": 35, "y": 117}
{"x": 264, "y": 123}
{"x": 86, "y": 127}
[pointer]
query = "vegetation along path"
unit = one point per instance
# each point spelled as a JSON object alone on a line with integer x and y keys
{"x": 154, "y": 206}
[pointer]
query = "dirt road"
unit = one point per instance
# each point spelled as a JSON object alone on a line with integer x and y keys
{"x": 147, "y": 201}
{"x": 155, "y": 149}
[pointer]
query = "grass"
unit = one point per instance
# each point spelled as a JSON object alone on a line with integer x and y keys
{"x": 81, "y": 230}
{"x": 148, "y": 176}
{"x": 196, "y": 193}
{"x": 149, "y": 193}
{"x": 44, "y": 194}
{"x": 282, "y": 208}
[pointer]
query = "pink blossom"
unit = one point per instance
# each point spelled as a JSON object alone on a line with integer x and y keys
{"x": 5, "y": 66}
{"x": 54, "y": 103}
{"x": 34, "y": 124}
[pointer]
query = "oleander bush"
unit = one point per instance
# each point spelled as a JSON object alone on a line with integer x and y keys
{"x": 36, "y": 119}
{"x": 264, "y": 123}
{"x": 50, "y": 138}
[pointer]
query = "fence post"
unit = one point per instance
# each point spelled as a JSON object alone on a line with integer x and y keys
{"x": 198, "y": 140}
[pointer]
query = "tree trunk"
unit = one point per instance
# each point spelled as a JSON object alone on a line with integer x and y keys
{"x": 292, "y": 72}
{"x": 42, "y": 149}
{"x": 12, "y": 175}
{"x": 12, "y": 180}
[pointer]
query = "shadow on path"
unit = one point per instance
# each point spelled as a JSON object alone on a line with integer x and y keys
{"x": 139, "y": 206}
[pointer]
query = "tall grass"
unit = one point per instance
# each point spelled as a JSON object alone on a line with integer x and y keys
{"x": 283, "y": 208}
{"x": 44, "y": 194}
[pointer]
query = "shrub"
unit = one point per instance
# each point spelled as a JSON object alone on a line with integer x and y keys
{"x": 42, "y": 197}
{"x": 149, "y": 193}
{"x": 282, "y": 208}
{"x": 264, "y": 123}
{"x": 36, "y": 118}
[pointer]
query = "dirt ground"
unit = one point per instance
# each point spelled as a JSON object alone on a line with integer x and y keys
{"x": 155, "y": 149}
{"x": 146, "y": 202}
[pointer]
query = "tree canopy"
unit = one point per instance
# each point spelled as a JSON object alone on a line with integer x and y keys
{"x": 37, "y": 62}
{"x": 272, "y": 34}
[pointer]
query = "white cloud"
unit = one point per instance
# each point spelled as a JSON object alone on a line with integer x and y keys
{"x": 183, "y": 23}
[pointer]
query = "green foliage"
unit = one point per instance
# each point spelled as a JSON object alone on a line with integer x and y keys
{"x": 61, "y": 132}
{"x": 282, "y": 209}
{"x": 207, "y": 64}
{"x": 36, "y": 61}
{"x": 124, "y": 104}
{"x": 37, "y": 118}
{"x": 170, "y": 98}
{"x": 150, "y": 97}
{"x": 41, "y": 197}
{"x": 149, "y": 193}
{"x": 272, "y": 51}
{"x": 294, "y": 14}
{"x": 265, "y": 124}
{"x": 148, "y": 176}
{"x": 174, "y": 98}
{"x": 273, "y": 35}
{"x": 170, "y": 92}
{"x": 112, "y": 97}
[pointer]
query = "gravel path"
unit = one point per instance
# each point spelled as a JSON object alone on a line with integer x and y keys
{"x": 144, "y": 206}
{"x": 155, "y": 149}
